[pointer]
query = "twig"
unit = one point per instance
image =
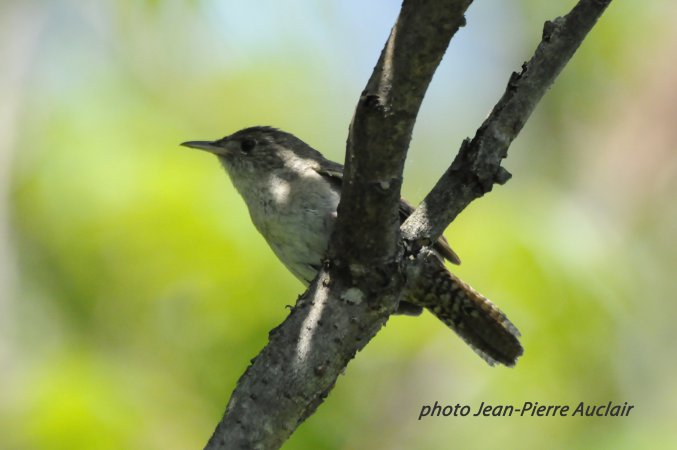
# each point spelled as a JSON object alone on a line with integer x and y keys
{"x": 478, "y": 164}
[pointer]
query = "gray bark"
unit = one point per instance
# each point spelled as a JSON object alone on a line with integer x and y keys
{"x": 359, "y": 285}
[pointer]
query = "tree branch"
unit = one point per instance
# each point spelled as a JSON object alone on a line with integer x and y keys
{"x": 354, "y": 294}
{"x": 360, "y": 284}
{"x": 478, "y": 163}
{"x": 367, "y": 226}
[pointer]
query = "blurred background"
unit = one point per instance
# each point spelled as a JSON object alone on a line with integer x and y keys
{"x": 134, "y": 290}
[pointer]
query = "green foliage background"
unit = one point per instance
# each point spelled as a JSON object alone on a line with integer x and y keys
{"x": 134, "y": 290}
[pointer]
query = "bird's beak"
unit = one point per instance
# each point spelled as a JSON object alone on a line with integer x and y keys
{"x": 208, "y": 146}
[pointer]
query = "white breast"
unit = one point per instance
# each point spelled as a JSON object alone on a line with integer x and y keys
{"x": 295, "y": 216}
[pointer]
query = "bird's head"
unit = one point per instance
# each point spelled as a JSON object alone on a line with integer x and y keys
{"x": 256, "y": 151}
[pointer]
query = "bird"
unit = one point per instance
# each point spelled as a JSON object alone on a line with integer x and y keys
{"x": 292, "y": 193}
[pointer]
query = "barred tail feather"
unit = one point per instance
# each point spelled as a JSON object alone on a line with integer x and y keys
{"x": 472, "y": 316}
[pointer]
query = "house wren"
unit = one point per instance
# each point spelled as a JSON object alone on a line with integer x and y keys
{"x": 292, "y": 193}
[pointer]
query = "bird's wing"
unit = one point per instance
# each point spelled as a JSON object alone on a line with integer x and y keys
{"x": 333, "y": 171}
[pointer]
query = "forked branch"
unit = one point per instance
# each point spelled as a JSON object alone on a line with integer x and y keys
{"x": 359, "y": 287}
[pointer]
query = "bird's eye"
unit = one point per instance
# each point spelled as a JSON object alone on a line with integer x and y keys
{"x": 247, "y": 145}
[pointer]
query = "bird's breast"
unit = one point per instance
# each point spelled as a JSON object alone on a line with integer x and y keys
{"x": 296, "y": 217}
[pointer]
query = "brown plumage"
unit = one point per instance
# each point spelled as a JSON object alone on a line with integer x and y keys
{"x": 471, "y": 315}
{"x": 292, "y": 193}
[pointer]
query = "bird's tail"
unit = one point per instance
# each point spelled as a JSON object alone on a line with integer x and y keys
{"x": 471, "y": 315}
